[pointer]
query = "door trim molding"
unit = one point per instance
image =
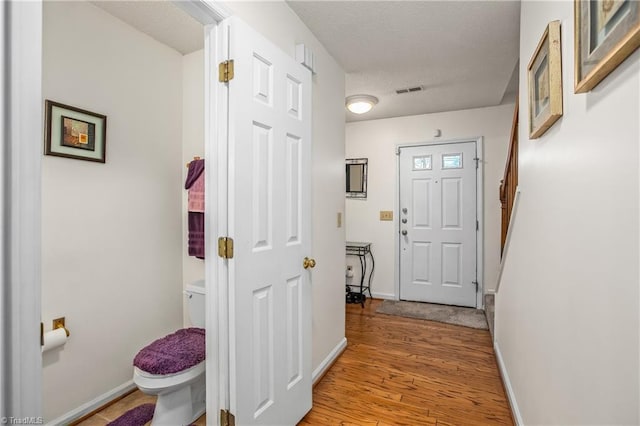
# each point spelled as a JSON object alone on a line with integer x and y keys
{"x": 479, "y": 141}
{"x": 20, "y": 175}
{"x": 206, "y": 12}
{"x": 20, "y": 183}
{"x": 211, "y": 14}
{"x": 215, "y": 190}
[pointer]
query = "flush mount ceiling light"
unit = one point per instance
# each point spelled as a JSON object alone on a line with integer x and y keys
{"x": 359, "y": 104}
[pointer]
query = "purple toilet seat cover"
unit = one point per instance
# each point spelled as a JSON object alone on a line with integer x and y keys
{"x": 173, "y": 353}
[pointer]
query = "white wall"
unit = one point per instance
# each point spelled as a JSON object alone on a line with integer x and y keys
{"x": 111, "y": 233}
{"x": 567, "y": 308}
{"x": 377, "y": 141}
{"x": 277, "y": 22}
{"x": 192, "y": 146}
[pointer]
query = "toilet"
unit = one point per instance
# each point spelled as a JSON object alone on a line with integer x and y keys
{"x": 173, "y": 367}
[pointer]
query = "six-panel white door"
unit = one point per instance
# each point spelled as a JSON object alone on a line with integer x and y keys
{"x": 269, "y": 219}
{"x": 438, "y": 224}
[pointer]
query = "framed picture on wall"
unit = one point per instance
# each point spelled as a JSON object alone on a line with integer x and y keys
{"x": 545, "y": 82}
{"x": 74, "y": 133}
{"x": 606, "y": 33}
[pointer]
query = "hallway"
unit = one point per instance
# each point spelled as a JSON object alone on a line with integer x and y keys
{"x": 404, "y": 371}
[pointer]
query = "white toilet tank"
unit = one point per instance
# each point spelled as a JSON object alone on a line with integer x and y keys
{"x": 195, "y": 303}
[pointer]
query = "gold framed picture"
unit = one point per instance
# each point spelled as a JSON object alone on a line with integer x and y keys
{"x": 545, "y": 82}
{"x": 606, "y": 33}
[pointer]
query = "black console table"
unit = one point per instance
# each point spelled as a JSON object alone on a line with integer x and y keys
{"x": 356, "y": 293}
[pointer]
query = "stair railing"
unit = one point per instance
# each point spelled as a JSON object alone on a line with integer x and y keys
{"x": 509, "y": 182}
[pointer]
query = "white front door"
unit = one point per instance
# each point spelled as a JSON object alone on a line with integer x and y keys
{"x": 438, "y": 225}
{"x": 269, "y": 103}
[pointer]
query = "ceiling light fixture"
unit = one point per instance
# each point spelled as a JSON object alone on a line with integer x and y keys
{"x": 359, "y": 104}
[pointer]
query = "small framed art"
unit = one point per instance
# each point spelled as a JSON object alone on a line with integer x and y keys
{"x": 606, "y": 33}
{"x": 75, "y": 133}
{"x": 545, "y": 82}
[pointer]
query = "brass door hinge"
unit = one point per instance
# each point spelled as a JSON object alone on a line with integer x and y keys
{"x": 225, "y": 247}
{"x": 226, "y": 418}
{"x": 225, "y": 71}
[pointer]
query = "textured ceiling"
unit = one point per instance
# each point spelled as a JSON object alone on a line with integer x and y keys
{"x": 463, "y": 53}
{"x": 160, "y": 20}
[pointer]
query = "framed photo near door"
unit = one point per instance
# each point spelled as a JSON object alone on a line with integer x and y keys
{"x": 606, "y": 33}
{"x": 75, "y": 133}
{"x": 545, "y": 82}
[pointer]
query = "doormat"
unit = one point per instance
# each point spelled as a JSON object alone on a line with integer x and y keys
{"x": 466, "y": 317}
{"x": 137, "y": 416}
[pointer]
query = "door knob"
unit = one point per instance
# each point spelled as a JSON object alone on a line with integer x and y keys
{"x": 404, "y": 232}
{"x": 308, "y": 263}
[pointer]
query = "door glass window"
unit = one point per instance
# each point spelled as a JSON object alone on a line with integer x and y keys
{"x": 422, "y": 162}
{"x": 452, "y": 161}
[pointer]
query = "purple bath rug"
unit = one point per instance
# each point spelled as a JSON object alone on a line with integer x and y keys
{"x": 137, "y": 416}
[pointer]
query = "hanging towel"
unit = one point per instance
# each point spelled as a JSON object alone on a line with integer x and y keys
{"x": 196, "y": 235}
{"x": 195, "y": 185}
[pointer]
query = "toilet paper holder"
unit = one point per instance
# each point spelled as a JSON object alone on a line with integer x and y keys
{"x": 56, "y": 324}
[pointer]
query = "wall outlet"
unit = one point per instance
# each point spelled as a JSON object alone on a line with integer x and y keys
{"x": 386, "y": 215}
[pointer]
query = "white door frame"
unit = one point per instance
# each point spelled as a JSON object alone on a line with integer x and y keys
{"x": 210, "y": 13}
{"x": 479, "y": 141}
{"x": 21, "y": 125}
{"x": 20, "y": 156}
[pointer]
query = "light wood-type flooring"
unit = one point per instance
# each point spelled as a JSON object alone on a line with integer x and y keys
{"x": 396, "y": 371}
{"x": 402, "y": 371}
{"x": 120, "y": 407}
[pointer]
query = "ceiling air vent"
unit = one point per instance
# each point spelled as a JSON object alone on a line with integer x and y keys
{"x": 409, "y": 90}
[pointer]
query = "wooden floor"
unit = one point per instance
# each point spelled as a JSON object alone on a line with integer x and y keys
{"x": 117, "y": 409}
{"x": 402, "y": 371}
{"x": 396, "y": 371}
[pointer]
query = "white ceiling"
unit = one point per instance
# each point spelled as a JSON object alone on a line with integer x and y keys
{"x": 160, "y": 20}
{"x": 463, "y": 53}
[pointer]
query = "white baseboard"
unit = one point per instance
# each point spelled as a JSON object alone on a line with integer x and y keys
{"x": 383, "y": 296}
{"x": 103, "y": 399}
{"x": 507, "y": 385}
{"x": 94, "y": 404}
{"x": 329, "y": 360}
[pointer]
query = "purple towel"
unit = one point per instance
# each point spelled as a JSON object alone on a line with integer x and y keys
{"x": 195, "y": 185}
{"x": 138, "y": 416}
{"x": 196, "y": 235}
{"x": 196, "y": 167}
{"x": 173, "y": 353}
{"x": 195, "y": 242}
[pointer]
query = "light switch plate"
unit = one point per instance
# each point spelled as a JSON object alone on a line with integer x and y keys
{"x": 386, "y": 215}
